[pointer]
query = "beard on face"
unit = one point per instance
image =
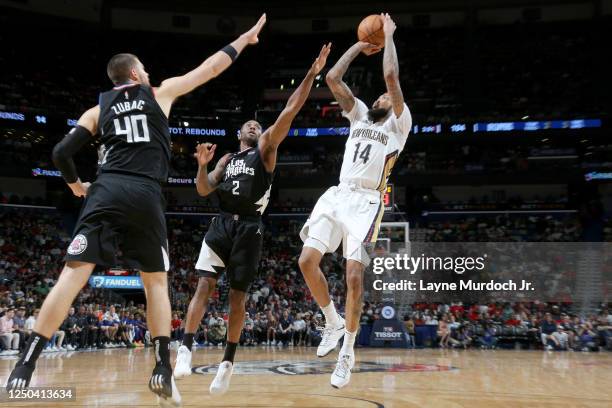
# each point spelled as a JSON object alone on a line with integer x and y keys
{"x": 249, "y": 140}
{"x": 376, "y": 114}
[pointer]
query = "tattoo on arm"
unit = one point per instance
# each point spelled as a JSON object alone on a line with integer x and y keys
{"x": 338, "y": 87}
{"x": 391, "y": 73}
{"x": 214, "y": 177}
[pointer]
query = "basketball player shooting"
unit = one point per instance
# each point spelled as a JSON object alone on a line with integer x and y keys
{"x": 234, "y": 239}
{"x": 352, "y": 211}
{"x": 124, "y": 206}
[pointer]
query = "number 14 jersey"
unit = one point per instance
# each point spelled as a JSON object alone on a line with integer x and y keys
{"x": 372, "y": 148}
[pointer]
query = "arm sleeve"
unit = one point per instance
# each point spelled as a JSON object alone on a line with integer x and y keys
{"x": 359, "y": 111}
{"x": 66, "y": 148}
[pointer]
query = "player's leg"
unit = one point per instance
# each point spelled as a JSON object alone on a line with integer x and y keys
{"x": 214, "y": 253}
{"x": 237, "y": 300}
{"x": 321, "y": 234}
{"x": 354, "y": 303}
{"x": 195, "y": 313}
{"x": 197, "y": 308}
{"x": 158, "y": 321}
{"x": 52, "y": 313}
{"x": 145, "y": 244}
{"x": 309, "y": 261}
{"x": 242, "y": 270}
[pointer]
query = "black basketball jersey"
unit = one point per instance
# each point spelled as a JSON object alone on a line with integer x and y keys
{"x": 134, "y": 133}
{"x": 246, "y": 184}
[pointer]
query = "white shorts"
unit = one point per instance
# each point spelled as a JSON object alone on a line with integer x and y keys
{"x": 345, "y": 214}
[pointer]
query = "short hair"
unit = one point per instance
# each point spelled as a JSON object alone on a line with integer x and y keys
{"x": 119, "y": 67}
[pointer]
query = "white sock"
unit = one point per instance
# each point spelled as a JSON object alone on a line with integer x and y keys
{"x": 331, "y": 316}
{"x": 348, "y": 342}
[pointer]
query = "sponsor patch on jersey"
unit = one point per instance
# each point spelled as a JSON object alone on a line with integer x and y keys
{"x": 78, "y": 245}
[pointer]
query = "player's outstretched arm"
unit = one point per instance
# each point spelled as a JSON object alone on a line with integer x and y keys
{"x": 275, "y": 134}
{"x": 172, "y": 88}
{"x": 79, "y": 136}
{"x": 391, "y": 67}
{"x": 337, "y": 86}
{"x": 206, "y": 182}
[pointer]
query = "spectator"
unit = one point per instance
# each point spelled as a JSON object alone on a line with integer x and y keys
{"x": 284, "y": 333}
{"x": 548, "y": 327}
{"x": 8, "y": 334}
{"x": 299, "y": 330}
{"x": 177, "y": 327}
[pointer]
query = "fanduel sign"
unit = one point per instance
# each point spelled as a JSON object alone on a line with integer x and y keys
{"x": 115, "y": 282}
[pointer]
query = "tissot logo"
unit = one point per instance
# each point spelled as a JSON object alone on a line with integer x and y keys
{"x": 317, "y": 367}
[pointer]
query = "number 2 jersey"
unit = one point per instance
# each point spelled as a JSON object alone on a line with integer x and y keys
{"x": 245, "y": 188}
{"x": 372, "y": 148}
{"x": 134, "y": 133}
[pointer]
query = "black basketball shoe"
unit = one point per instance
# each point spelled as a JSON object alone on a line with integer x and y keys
{"x": 162, "y": 383}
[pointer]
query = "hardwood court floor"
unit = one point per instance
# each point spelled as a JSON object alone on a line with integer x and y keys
{"x": 296, "y": 378}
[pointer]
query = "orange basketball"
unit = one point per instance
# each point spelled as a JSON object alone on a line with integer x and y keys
{"x": 371, "y": 30}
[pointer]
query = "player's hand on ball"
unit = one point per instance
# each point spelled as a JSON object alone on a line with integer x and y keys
{"x": 319, "y": 63}
{"x": 388, "y": 24}
{"x": 204, "y": 153}
{"x": 252, "y": 34}
{"x": 369, "y": 49}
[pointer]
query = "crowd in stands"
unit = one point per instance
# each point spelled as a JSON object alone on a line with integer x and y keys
{"x": 503, "y": 228}
{"x": 528, "y": 325}
{"x": 280, "y": 310}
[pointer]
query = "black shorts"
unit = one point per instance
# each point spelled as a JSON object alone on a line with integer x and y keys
{"x": 235, "y": 245}
{"x": 122, "y": 212}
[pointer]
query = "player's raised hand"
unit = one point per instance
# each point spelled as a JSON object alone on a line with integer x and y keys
{"x": 252, "y": 34}
{"x": 368, "y": 48}
{"x": 204, "y": 153}
{"x": 319, "y": 63}
{"x": 388, "y": 24}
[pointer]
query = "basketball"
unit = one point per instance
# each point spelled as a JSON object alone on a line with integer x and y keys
{"x": 371, "y": 30}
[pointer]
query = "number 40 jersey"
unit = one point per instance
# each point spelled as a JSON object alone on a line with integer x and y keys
{"x": 372, "y": 148}
{"x": 134, "y": 133}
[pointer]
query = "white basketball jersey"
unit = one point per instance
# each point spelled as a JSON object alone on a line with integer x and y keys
{"x": 372, "y": 148}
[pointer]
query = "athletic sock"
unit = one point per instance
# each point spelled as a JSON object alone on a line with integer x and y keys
{"x": 348, "y": 342}
{"x": 188, "y": 340}
{"x": 162, "y": 351}
{"x": 230, "y": 351}
{"x": 36, "y": 344}
{"x": 331, "y": 316}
